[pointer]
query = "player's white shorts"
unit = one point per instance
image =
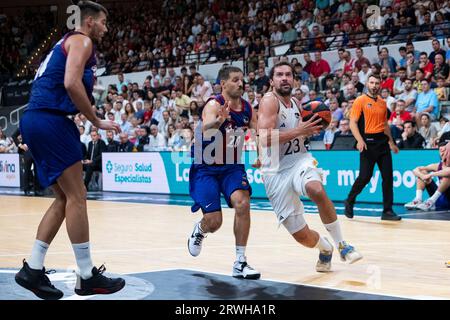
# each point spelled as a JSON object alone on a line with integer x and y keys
{"x": 285, "y": 188}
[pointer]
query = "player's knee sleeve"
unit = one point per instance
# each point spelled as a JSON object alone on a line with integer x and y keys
{"x": 294, "y": 223}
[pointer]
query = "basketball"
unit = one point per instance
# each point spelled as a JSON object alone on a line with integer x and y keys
{"x": 319, "y": 108}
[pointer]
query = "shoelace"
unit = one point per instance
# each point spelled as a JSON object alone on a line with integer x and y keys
{"x": 101, "y": 269}
{"x": 46, "y": 279}
{"x": 198, "y": 239}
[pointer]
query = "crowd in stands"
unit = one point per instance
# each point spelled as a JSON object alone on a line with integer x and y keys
{"x": 180, "y": 32}
{"x": 20, "y": 35}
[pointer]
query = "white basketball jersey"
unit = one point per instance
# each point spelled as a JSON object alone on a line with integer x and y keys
{"x": 291, "y": 152}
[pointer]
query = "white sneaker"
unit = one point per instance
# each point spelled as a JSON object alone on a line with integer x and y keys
{"x": 195, "y": 241}
{"x": 413, "y": 204}
{"x": 426, "y": 206}
{"x": 324, "y": 262}
{"x": 241, "y": 269}
{"x": 348, "y": 253}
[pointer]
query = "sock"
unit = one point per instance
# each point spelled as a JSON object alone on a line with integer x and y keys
{"x": 334, "y": 229}
{"x": 419, "y": 194}
{"x": 240, "y": 253}
{"x": 435, "y": 196}
{"x": 38, "y": 255}
{"x": 83, "y": 256}
{"x": 323, "y": 245}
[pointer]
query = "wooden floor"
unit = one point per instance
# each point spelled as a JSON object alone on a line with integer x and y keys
{"x": 401, "y": 259}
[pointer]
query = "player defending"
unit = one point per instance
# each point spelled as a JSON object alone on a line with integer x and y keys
{"x": 217, "y": 168}
{"x": 289, "y": 171}
{"x": 63, "y": 86}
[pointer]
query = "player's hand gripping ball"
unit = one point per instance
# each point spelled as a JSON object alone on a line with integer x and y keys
{"x": 319, "y": 108}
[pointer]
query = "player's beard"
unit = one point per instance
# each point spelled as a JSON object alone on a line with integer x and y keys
{"x": 284, "y": 92}
{"x": 236, "y": 93}
{"x": 374, "y": 92}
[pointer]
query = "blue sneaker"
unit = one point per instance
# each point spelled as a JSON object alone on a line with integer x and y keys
{"x": 324, "y": 262}
{"x": 348, "y": 253}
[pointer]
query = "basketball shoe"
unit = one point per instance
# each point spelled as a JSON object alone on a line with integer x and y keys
{"x": 241, "y": 269}
{"x": 98, "y": 283}
{"x": 324, "y": 262}
{"x": 412, "y": 204}
{"x": 348, "y": 253}
{"x": 195, "y": 240}
{"x": 37, "y": 282}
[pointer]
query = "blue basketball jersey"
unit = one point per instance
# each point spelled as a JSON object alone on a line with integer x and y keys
{"x": 48, "y": 91}
{"x": 228, "y": 140}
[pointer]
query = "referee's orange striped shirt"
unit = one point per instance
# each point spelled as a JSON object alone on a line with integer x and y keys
{"x": 374, "y": 112}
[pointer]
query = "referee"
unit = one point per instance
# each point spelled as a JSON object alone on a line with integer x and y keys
{"x": 369, "y": 125}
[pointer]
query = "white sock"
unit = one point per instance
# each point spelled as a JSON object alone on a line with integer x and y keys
{"x": 38, "y": 255}
{"x": 240, "y": 253}
{"x": 323, "y": 245}
{"x": 83, "y": 256}
{"x": 419, "y": 194}
{"x": 334, "y": 229}
{"x": 435, "y": 196}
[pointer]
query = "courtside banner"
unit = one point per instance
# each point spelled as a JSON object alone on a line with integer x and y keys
{"x": 134, "y": 172}
{"x": 9, "y": 170}
{"x": 339, "y": 171}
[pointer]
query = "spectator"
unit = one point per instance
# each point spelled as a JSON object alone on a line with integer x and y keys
{"x": 436, "y": 50}
{"x": 121, "y": 82}
{"x": 262, "y": 82}
{"x": 403, "y": 59}
{"x": 364, "y": 74}
{"x": 426, "y": 65}
{"x": 163, "y": 126}
{"x": 6, "y": 144}
{"x": 386, "y": 61}
{"x": 93, "y": 160}
{"x": 328, "y": 137}
{"x": 319, "y": 70}
{"x": 125, "y": 145}
{"x": 427, "y": 101}
{"x": 386, "y": 81}
{"x": 398, "y": 118}
{"x": 440, "y": 69}
{"x": 113, "y": 145}
{"x": 390, "y": 101}
{"x": 202, "y": 91}
{"x": 157, "y": 142}
{"x": 336, "y": 112}
{"x": 399, "y": 83}
{"x": 411, "y": 139}
{"x": 361, "y": 60}
{"x": 182, "y": 101}
{"x": 427, "y": 131}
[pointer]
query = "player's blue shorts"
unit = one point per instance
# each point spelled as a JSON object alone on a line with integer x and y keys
{"x": 207, "y": 182}
{"x": 54, "y": 142}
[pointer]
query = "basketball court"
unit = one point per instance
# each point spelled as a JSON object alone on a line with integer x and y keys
{"x": 144, "y": 238}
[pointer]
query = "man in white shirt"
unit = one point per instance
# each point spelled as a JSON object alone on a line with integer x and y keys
{"x": 364, "y": 73}
{"x": 163, "y": 126}
{"x": 202, "y": 91}
{"x": 156, "y": 140}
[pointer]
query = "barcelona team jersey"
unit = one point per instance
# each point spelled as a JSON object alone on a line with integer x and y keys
{"x": 223, "y": 145}
{"x": 48, "y": 91}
